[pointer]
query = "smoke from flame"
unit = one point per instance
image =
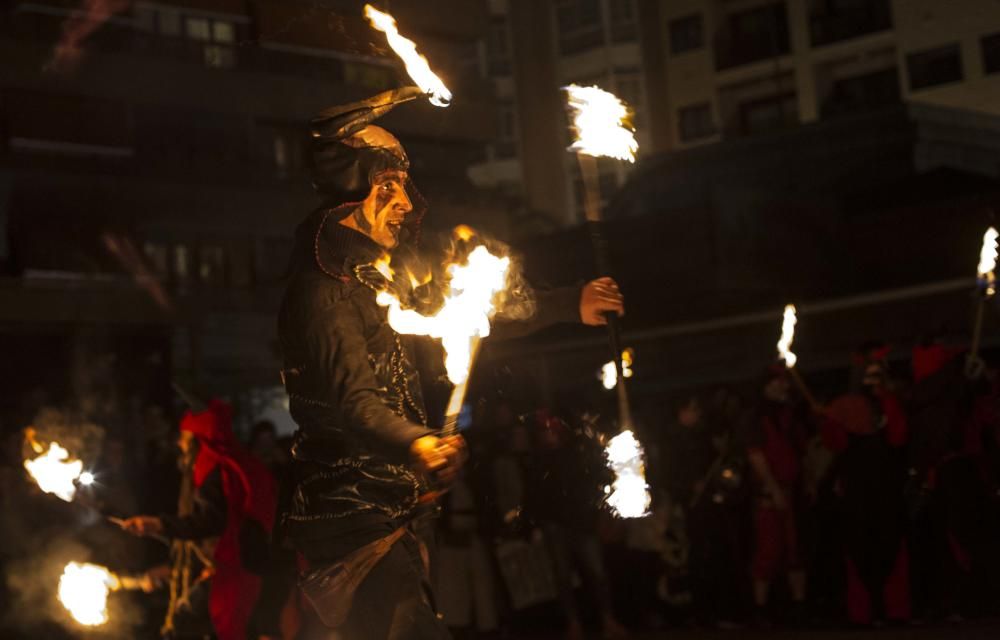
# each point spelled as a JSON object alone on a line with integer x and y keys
{"x": 601, "y": 124}
{"x": 465, "y": 316}
{"x": 83, "y": 591}
{"x": 416, "y": 64}
{"x": 53, "y": 470}
{"x": 787, "y": 336}
{"x": 628, "y": 495}
{"x": 75, "y": 29}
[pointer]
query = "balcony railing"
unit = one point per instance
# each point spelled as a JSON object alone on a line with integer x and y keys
{"x": 862, "y": 19}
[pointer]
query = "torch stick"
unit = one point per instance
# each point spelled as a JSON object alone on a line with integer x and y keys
{"x": 592, "y": 211}
{"x": 804, "y": 390}
{"x": 458, "y": 395}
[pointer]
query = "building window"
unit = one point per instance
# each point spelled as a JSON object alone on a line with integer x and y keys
{"x": 182, "y": 264}
{"x": 628, "y": 87}
{"x": 769, "y": 114}
{"x": 752, "y": 35}
{"x": 935, "y": 66}
{"x": 580, "y": 25}
{"x": 695, "y": 122}
{"x": 860, "y": 93}
{"x": 991, "y": 53}
{"x": 623, "y": 22}
{"x": 687, "y": 34}
{"x": 498, "y": 47}
{"x": 506, "y": 144}
{"x": 159, "y": 259}
{"x": 218, "y": 38}
{"x": 212, "y": 265}
{"x": 836, "y": 20}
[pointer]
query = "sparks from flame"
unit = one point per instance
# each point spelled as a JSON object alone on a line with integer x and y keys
{"x": 787, "y": 336}
{"x": 600, "y": 121}
{"x": 609, "y": 373}
{"x": 416, "y": 64}
{"x": 53, "y": 470}
{"x": 465, "y": 316}
{"x": 628, "y": 496}
{"x": 83, "y": 591}
{"x": 988, "y": 261}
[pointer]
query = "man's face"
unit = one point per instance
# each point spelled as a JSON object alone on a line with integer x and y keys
{"x": 381, "y": 215}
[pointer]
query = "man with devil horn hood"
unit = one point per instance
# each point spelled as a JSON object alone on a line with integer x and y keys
{"x": 363, "y": 450}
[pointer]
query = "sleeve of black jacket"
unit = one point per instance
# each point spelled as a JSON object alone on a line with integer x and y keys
{"x": 551, "y": 307}
{"x": 336, "y": 345}
{"x": 208, "y": 517}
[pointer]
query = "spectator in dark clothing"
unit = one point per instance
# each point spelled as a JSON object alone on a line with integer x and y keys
{"x": 775, "y": 442}
{"x": 868, "y": 429}
{"x": 564, "y": 479}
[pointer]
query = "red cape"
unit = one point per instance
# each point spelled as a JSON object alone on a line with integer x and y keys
{"x": 250, "y": 495}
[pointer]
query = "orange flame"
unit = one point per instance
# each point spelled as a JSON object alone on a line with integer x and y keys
{"x": 84, "y": 589}
{"x": 601, "y": 123}
{"x": 416, "y": 64}
{"x": 53, "y": 470}
{"x": 787, "y": 336}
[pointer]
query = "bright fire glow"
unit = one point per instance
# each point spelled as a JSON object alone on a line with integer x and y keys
{"x": 54, "y": 471}
{"x": 629, "y": 494}
{"x": 787, "y": 335}
{"x": 416, "y": 64}
{"x": 609, "y": 373}
{"x": 988, "y": 260}
{"x": 465, "y": 316}
{"x": 83, "y": 590}
{"x": 87, "y": 478}
{"x": 600, "y": 121}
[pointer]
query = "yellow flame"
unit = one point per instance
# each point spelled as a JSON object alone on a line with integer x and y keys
{"x": 600, "y": 121}
{"x": 609, "y": 374}
{"x": 53, "y": 470}
{"x": 988, "y": 260}
{"x": 83, "y": 590}
{"x": 382, "y": 266}
{"x": 464, "y": 232}
{"x": 628, "y": 496}
{"x": 465, "y": 316}
{"x": 406, "y": 49}
{"x": 787, "y": 336}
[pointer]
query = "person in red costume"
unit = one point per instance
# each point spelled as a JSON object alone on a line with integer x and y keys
{"x": 225, "y": 513}
{"x": 867, "y": 428}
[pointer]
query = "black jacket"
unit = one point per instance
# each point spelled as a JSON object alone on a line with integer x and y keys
{"x": 354, "y": 388}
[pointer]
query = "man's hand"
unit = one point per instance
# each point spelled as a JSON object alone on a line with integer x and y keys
{"x": 143, "y": 525}
{"x": 599, "y": 297}
{"x": 441, "y": 458}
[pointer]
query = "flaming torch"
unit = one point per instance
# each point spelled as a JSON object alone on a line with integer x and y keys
{"x": 416, "y": 64}
{"x": 986, "y": 281}
{"x": 462, "y": 321}
{"x": 609, "y": 372}
{"x": 83, "y": 591}
{"x": 602, "y": 128}
{"x": 53, "y": 469}
{"x": 785, "y": 352}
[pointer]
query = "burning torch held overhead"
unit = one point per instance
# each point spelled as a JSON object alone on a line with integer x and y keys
{"x": 601, "y": 124}
{"x": 628, "y": 496}
{"x": 416, "y": 64}
{"x": 787, "y": 336}
{"x": 988, "y": 262}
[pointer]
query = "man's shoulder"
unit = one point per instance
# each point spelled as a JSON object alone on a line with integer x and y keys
{"x": 313, "y": 287}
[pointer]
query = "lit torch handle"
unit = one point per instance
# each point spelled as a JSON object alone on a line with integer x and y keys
{"x": 804, "y": 390}
{"x": 458, "y": 395}
{"x": 592, "y": 210}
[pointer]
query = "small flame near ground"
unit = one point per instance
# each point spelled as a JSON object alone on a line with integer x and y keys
{"x": 416, "y": 64}
{"x": 609, "y": 373}
{"x": 53, "y": 470}
{"x": 628, "y": 496}
{"x": 787, "y": 336}
{"x": 601, "y": 123}
{"x": 83, "y": 591}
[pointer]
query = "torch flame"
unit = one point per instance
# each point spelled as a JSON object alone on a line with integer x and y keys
{"x": 609, "y": 373}
{"x": 83, "y": 590}
{"x": 406, "y": 49}
{"x": 787, "y": 335}
{"x": 465, "y": 316}
{"x": 53, "y": 470}
{"x": 988, "y": 261}
{"x": 629, "y": 494}
{"x": 601, "y": 122}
